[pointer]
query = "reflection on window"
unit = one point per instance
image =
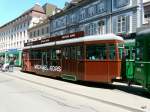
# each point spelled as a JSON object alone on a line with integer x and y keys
{"x": 96, "y": 52}
{"x": 112, "y": 53}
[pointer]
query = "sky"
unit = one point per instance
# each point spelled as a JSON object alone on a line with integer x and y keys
{"x": 10, "y": 9}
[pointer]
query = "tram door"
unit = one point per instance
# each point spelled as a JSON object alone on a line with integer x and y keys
{"x": 72, "y": 64}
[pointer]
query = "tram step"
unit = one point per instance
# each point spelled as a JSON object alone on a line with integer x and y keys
{"x": 68, "y": 77}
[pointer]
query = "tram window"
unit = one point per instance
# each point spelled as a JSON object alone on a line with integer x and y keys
{"x": 96, "y": 52}
{"x": 79, "y": 52}
{"x": 121, "y": 50}
{"x": 73, "y": 53}
{"x": 127, "y": 54}
{"x": 66, "y": 53}
{"x": 55, "y": 54}
{"x": 112, "y": 53}
{"x": 139, "y": 52}
{"x": 35, "y": 55}
{"x": 133, "y": 53}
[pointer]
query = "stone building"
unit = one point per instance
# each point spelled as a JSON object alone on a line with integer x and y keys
{"x": 99, "y": 17}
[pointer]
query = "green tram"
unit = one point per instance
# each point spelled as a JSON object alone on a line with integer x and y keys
{"x": 129, "y": 60}
{"x": 13, "y": 53}
{"x": 142, "y": 60}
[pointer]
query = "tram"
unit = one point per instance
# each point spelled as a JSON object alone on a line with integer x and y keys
{"x": 16, "y": 54}
{"x": 142, "y": 60}
{"x": 129, "y": 61}
{"x": 75, "y": 57}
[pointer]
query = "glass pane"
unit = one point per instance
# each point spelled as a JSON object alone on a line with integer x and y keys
{"x": 73, "y": 53}
{"x": 79, "y": 52}
{"x": 139, "y": 51}
{"x": 121, "y": 51}
{"x": 112, "y": 54}
{"x": 96, "y": 52}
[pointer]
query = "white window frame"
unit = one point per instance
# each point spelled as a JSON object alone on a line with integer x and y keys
{"x": 121, "y": 24}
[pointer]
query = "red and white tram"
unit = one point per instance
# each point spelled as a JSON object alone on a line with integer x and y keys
{"x": 75, "y": 57}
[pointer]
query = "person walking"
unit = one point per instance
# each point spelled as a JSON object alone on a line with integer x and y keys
{"x": 1, "y": 62}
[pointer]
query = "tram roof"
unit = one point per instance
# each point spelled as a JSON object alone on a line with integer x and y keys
{"x": 81, "y": 39}
{"x": 130, "y": 41}
{"x": 91, "y": 38}
{"x": 145, "y": 29}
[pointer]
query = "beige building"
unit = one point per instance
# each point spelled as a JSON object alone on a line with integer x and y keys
{"x": 14, "y": 34}
{"x": 39, "y": 30}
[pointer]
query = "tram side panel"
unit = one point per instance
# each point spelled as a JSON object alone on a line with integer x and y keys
{"x": 103, "y": 63}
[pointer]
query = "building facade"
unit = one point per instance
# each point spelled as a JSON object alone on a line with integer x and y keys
{"x": 98, "y": 17}
{"x": 40, "y": 30}
{"x": 14, "y": 34}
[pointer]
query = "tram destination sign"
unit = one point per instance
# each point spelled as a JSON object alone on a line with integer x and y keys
{"x": 56, "y": 38}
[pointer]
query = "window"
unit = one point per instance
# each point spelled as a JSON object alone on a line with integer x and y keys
{"x": 34, "y": 34}
{"x": 66, "y": 53}
{"x": 35, "y": 54}
{"x": 121, "y": 3}
{"x": 123, "y": 24}
{"x": 101, "y": 27}
{"x": 80, "y": 52}
{"x": 47, "y": 29}
{"x": 139, "y": 51}
{"x": 82, "y": 14}
{"x": 112, "y": 53}
{"x": 24, "y": 33}
{"x": 91, "y": 29}
{"x": 30, "y": 34}
{"x": 73, "y": 18}
{"x": 96, "y": 52}
{"x": 101, "y": 7}
{"x": 38, "y": 32}
{"x": 91, "y": 11}
{"x": 55, "y": 54}
{"x": 42, "y": 31}
{"x": 73, "y": 53}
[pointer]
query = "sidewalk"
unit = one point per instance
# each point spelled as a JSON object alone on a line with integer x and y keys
{"x": 101, "y": 94}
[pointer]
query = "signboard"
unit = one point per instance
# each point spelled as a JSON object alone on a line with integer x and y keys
{"x": 56, "y": 38}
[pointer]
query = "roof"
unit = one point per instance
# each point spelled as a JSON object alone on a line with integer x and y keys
{"x": 91, "y": 38}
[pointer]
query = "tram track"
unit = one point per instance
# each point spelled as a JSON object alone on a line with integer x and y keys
{"x": 78, "y": 94}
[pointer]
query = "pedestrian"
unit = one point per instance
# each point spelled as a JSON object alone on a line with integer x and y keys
{"x": 11, "y": 64}
{"x": 1, "y": 62}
